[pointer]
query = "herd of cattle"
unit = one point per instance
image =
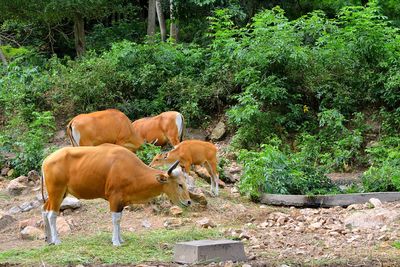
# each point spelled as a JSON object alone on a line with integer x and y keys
{"x": 100, "y": 165}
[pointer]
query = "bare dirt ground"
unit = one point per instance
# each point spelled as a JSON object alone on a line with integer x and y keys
{"x": 273, "y": 236}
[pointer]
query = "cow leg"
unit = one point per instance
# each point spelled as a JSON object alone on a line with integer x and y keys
{"x": 116, "y": 220}
{"x": 52, "y": 218}
{"x": 46, "y": 223}
{"x": 212, "y": 169}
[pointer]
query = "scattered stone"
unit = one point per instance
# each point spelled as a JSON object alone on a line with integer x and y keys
{"x": 171, "y": 223}
{"x": 33, "y": 176}
{"x": 22, "y": 179}
{"x": 14, "y": 210}
{"x": 146, "y": 224}
{"x": 34, "y": 222}
{"x": 175, "y": 210}
{"x": 218, "y": 132}
{"x": 70, "y": 203}
{"x": 206, "y": 223}
{"x": 62, "y": 226}
{"x": 10, "y": 172}
{"x": 40, "y": 198}
{"x": 372, "y": 218}
{"x": 6, "y": 220}
{"x": 32, "y": 233}
{"x": 15, "y": 188}
{"x": 26, "y": 206}
{"x": 4, "y": 171}
{"x": 376, "y": 203}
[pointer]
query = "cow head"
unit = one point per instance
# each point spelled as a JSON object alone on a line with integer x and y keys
{"x": 174, "y": 185}
{"x": 160, "y": 159}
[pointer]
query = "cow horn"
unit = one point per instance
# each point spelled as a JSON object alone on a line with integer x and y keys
{"x": 173, "y": 166}
{"x": 154, "y": 141}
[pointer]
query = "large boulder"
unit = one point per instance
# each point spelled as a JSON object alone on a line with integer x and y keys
{"x": 32, "y": 233}
{"x": 15, "y": 187}
{"x": 372, "y": 218}
{"x": 6, "y": 220}
{"x": 70, "y": 203}
{"x": 218, "y": 132}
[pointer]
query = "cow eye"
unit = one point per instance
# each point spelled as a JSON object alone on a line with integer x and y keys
{"x": 181, "y": 186}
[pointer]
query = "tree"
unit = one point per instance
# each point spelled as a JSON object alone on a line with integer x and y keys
{"x": 161, "y": 21}
{"x": 53, "y": 12}
{"x": 151, "y": 18}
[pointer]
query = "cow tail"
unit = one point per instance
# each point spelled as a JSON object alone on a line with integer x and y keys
{"x": 183, "y": 128}
{"x": 69, "y": 133}
{"x": 42, "y": 186}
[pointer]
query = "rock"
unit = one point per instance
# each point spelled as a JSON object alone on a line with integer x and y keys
{"x": 218, "y": 132}
{"x": 246, "y": 265}
{"x": 15, "y": 188}
{"x": 14, "y": 210}
{"x": 202, "y": 172}
{"x": 32, "y": 233}
{"x": 4, "y": 171}
{"x": 146, "y": 224}
{"x": 34, "y": 222}
{"x": 26, "y": 206}
{"x": 22, "y": 179}
{"x": 372, "y": 218}
{"x": 6, "y": 220}
{"x": 62, "y": 226}
{"x": 70, "y": 203}
{"x": 40, "y": 198}
{"x": 315, "y": 226}
{"x": 206, "y": 223}
{"x": 33, "y": 176}
{"x": 171, "y": 223}
{"x": 376, "y": 203}
{"x": 175, "y": 210}
{"x": 10, "y": 172}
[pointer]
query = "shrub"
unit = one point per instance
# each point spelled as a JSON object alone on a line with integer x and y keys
{"x": 272, "y": 171}
{"x": 27, "y": 141}
{"x": 384, "y": 174}
{"x": 147, "y": 152}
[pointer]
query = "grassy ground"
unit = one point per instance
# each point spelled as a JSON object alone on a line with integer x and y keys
{"x": 150, "y": 246}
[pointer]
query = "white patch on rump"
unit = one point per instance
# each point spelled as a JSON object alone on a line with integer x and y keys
{"x": 179, "y": 124}
{"x": 76, "y": 136}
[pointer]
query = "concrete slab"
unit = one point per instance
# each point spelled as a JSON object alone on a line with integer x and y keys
{"x": 326, "y": 201}
{"x": 200, "y": 251}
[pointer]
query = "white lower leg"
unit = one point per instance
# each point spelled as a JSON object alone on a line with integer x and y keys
{"x": 216, "y": 180}
{"x": 47, "y": 231}
{"x": 52, "y": 218}
{"x": 116, "y": 220}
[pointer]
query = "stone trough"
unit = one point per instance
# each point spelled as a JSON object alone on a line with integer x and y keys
{"x": 327, "y": 201}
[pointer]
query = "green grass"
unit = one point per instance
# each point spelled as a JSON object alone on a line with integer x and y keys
{"x": 150, "y": 246}
{"x": 396, "y": 244}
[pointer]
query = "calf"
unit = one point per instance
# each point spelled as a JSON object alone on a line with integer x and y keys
{"x": 110, "y": 172}
{"x": 194, "y": 152}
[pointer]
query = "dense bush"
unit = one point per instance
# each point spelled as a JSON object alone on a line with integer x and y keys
{"x": 384, "y": 174}
{"x": 273, "y": 171}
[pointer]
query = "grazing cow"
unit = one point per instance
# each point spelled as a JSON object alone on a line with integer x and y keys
{"x": 106, "y": 126}
{"x": 194, "y": 152}
{"x": 106, "y": 171}
{"x": 167, "y": 126}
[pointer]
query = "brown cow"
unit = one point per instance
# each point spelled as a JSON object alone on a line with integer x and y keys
{"x": 106, "y": 171}
{"x": 106, "y": 126}
{"x": 167, "y": 126}
{"x": 194, "y": 152}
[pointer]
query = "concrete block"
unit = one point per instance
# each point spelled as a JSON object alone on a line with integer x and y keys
{"x": 209, "y": 251}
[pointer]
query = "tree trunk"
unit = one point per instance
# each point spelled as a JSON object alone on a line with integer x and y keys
{"x": 79, "y": 34}
{"x": 161, "y": 21}
{"x": 151, "y": 18}
{"x": 173, "y": 31}
{"x": 3, "y": 58}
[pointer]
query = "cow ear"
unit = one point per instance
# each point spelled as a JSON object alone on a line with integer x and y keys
{"x": 162, "y": 178}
